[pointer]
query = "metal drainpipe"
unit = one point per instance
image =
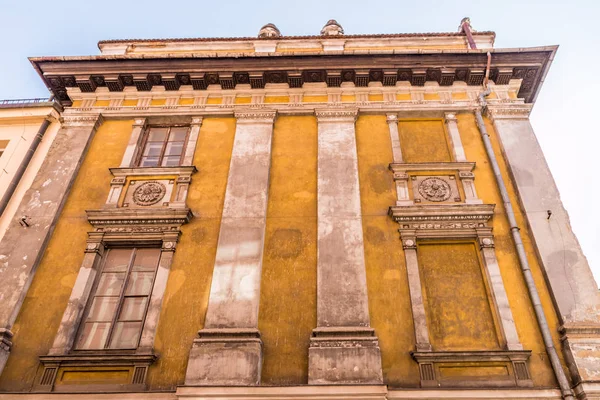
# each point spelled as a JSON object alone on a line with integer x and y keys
{"x": 23, "y": 167}
{"x": 563, "y": 382}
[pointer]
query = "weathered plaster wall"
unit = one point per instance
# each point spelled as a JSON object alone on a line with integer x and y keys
{"x": 186, "y": 297}
{"x": 288, "y": 293}
{"x": 424, "y": 140}
{"x": 456, "y": 300}
{"x": 288, "y": 307}
{"x": 38, "y": 321}
{"x": 508, "y": 262}
{"x": 12, "y": 157}
{"x": 389, "y": 300}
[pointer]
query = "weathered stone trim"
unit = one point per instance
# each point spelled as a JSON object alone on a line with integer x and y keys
{"x": 135, "y": 142}
{"x": 402, "y": 175}
{"x": 342, "y": 310}
{"x": 190, "y": 147}
{"x": 54, "y": 363}
{"x": 392, "y": 120}
{"x": 431, "y": 364}
{"x": 43, "y": 202}
{"x": 457, "y": 147}
{"x": 571, "y": 282}
{"x": 452, "y": 222}
{"x": 223, "y": 353}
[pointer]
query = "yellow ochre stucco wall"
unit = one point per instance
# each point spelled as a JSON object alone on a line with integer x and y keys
{"x": 522, "y": 309}
{"x": 41, "y": 313}
{"x": 387, "y": 283}
{"x": 288, "y": 289}
{"x": 288, "y": 308}
{"x": 186, "y": 296}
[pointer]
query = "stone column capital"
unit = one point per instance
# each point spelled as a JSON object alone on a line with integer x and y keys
{"x": 513, "y": 111}
{"x": 254, "y": 117}
{"x": 450, "y": 117}
{"x": 336, "y": 115}
{"x": 139, "y": 122}
{"x": 197, "y": 120}
{"x": 93, "y": 120}
{"x": 392, "y": 118}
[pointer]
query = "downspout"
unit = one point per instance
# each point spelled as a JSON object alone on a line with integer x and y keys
{"x": 561, "y": 377}
{"x": 12, "y": 186}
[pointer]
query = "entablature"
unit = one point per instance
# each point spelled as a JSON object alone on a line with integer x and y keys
{"x": 417, "y": 67}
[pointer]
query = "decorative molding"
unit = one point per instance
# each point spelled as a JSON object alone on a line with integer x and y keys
{"x": 448, "y": 217}
{"x": 5, "y": 339}
{"x": 403, "y": 168}
{"x": 149, "y": 193}
{"x": 433, "y": 363}
{"x": 82, "y": 120}
{"x": 152, "y": 171}
{"x": 139, "y": 364}
{"x": 435, "y": 189}
{"x": 336, "y": 115}
{"x": 265, "y": 116}
{"x": 517, "y": 111}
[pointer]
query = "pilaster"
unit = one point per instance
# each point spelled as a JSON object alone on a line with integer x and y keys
{"x": 228, "y": 351}
{"x": 41, "y": 204}
{"x": 571, "y": 282}
{"x": 343, "y": 349}
{"x": 457, "y": 147}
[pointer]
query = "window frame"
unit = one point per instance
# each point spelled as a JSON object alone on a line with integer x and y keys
{"x": 144, "y": 142}
{"x": 119, "y": 307}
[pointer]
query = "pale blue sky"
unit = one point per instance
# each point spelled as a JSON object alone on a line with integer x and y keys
{"x": 564, "y": 116}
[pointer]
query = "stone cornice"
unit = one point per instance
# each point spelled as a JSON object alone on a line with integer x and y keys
{"x": 515, "y": 111}
{"x": 441, "y": 216}
{"x": 82, "y": 120}
{"x": 172, "y": 73}
{"x": 337, "y": 115}
{"x": 252, "y": 116}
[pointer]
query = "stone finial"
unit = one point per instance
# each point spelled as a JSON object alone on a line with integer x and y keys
{"x": 465, "y": 20}
{"x": 269, "y": 31}
{"x": 332, "y": 28}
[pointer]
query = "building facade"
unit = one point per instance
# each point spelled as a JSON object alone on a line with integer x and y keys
{"x": 321, "y": 217}
{"x": 27, "y": 129}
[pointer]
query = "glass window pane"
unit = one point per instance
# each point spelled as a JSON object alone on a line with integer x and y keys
{"x": 178, "y": 134}
{"x": 133, "y": 309}
{"x": 171, "y": 161}
{"x": 153, "y": 149}
{"x": 117, "y": 260}
{"x": 110, "y": 283}
{"x": 149, "y": 162}
{"x": 157, "y": 134}
{"x": 126, "y": 335}
{"x": 146, "y": 259}
{"x": 103, "y": 309}
{"x": 139, "y": 284}
{"x": 174, "y": 149}
{"x": 94, "y": 335}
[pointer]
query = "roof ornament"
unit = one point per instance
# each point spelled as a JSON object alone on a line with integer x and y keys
{"x": 465, "y": 23}
{"x": 269, "y": 31}
{"x": 332, "y": 28}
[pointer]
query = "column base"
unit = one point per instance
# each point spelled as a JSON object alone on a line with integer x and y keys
{"x": 581, "y": 348}
{"x": 5, "y": 345}
{"x": 225, "y": 357}
{"x": 344, "y": 355}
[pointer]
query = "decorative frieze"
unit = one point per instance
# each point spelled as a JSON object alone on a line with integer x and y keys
{"x": 459, "y": 221}
{"x": 434, "y": 183}
{"x": 479, "y": 369}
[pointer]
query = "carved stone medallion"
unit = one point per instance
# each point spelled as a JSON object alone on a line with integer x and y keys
{"x": 149, "y": 193}
{"x": 435, "y": 189}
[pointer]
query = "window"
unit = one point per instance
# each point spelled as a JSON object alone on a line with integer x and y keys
{"x": 164, "y": 146}
{"x": 3, "y": 146}
{"x": 120, "y": 299}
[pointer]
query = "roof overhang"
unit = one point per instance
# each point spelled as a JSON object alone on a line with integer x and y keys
{"x": 445, "y": 67}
